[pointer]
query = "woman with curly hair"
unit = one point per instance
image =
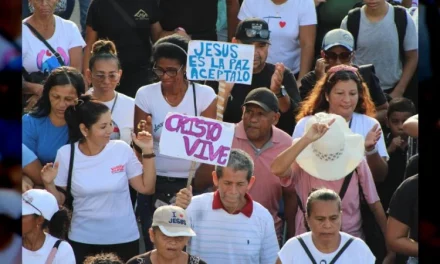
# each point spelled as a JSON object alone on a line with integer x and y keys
{"x": 342, "y": 91}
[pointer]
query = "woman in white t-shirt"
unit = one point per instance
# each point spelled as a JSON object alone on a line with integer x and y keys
{"x": 104, "y": 73}
{"x": 324, "y": 241}
{"x": 292, "y": 25}
{"x": 40, "y": 211}
{"x": 342, "y": 91}
{"x": 173, "y": 93}
{"x": 62, "y": 35}
{"x": 103, "y": 219}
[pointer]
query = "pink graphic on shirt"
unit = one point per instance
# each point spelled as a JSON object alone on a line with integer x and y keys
{"x": 47, "y": 62}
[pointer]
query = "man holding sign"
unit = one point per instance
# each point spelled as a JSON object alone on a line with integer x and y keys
{"x": 278, "y": 78}
{"x": 230, "y": 226}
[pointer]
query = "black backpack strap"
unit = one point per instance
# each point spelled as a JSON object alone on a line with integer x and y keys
{"x": 38, "y": 35}
{"x": 401, "y": 22}
{"x": 69, "y": 197}
{"x": 306, "y": 249}
{"x": 353, "y": 21}
{"x": 57, "y": 244}
{"x": 345, "y": 185}
{"x": 342, "y": 250}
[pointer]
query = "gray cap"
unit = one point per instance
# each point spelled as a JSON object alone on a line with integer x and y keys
{"x": 338, "y": 37}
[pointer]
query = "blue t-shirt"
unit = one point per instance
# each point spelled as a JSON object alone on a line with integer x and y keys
{"x": 43, "y": 138}
{"x": 27, "y": 156}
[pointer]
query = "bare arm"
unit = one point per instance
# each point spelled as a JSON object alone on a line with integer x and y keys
{"x": 379, "y": 214}
{"x": 76, "y": 55}
{"x": 411, "y": 126}
{"x": 398, "y": 240}
{"x": 232, "y": 8}
{"x": 381, "y": 112}
{"x": 307, "y": 36}
{"x": 156, "y": 31}
{"x": 281, "y": 165}
{"x": 146, "y": 184}
{"x": 290, "y": 209}
{"x": 409, "y": 68}
{"x": 50, "y": 187}
{"x": 378, "y": 166}
{"x": 32, "y": 170}
{"x": 278, "y": 261}
{"x": 91, "y": 37}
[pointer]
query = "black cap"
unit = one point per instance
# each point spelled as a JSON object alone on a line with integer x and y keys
{"x": 264, "y": 98}
{"x": 251, "y": 23}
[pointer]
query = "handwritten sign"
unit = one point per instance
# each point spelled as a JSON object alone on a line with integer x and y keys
{"x": 197, "y": 139}
{"x": 220, "y": 61}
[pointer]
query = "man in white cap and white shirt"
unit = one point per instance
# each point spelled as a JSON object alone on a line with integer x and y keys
{"x": 170, "y": 232}
{"x": 338, "y": 48}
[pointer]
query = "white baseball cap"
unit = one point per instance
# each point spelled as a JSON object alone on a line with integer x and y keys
{"x": 39, "y": 202}
{"x": 338, "y": 37}
{"x": 172, "y": 221}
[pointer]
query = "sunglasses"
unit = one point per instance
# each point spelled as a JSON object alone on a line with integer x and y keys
{"x": 343, "y": 56}
{"x": 263, "y": 33}
{"x": 26, "y": 201}
{"x": 170, "y": 72}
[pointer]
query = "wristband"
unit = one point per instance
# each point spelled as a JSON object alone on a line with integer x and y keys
{"x": 371, "y": 152}
{"x": 148, "y": 156}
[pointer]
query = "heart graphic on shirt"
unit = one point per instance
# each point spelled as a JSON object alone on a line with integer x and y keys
{"x": 48, "y": 54}
{"x": 282, "y": 24}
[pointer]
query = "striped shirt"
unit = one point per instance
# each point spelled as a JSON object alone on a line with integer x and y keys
{"x": 231, "y": 238}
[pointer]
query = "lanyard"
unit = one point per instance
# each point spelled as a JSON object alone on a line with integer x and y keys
{"x": 114, "y": 103}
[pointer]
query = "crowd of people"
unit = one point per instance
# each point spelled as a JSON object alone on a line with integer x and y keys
{"x": 323, "y": 166}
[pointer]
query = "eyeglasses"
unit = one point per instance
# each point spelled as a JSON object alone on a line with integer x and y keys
{"x": 26, "y": 201}
{"x": 170, "y": 72}
{"x": 112, "y": 77}
{"x": 343, "y": 56}
{"x": 263, "y": 33}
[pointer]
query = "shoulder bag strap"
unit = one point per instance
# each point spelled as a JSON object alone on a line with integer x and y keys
{"x": 345, "y": 185}
{"x": 342, "y": 250}
{"x": 69, "y": 177}
{"x": 306, "y": 249}
{"x": 38, "y": 35}
{"x": 195, "y": 100}
{"x": 53, "y": 252}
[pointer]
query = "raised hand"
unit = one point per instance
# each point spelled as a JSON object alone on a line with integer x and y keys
{"x": 146, "y": 125}
{"x": 317, "y": 130}
{"x": 183, "y": 197}
{"x": 144, "y": 140}
{"x": 277, "y": 78}
{"x": 372, "y": 137}
{"x": 49, "y": 172}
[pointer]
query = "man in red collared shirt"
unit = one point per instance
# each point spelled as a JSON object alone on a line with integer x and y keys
{"x": 230, "y": 226}
{"x": 257, "y": 135}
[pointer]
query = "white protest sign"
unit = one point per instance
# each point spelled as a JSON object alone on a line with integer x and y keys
{"x": 220, "y": 61}
{"x": 197, "y": 139}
